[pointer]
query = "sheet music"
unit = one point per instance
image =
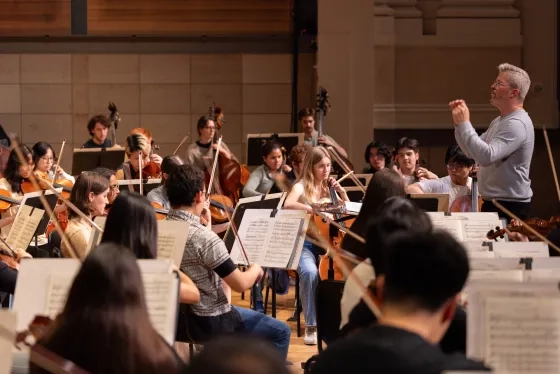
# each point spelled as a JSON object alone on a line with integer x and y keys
{"x": 270, "y": 241}
{"x": 521, "y": 249}
{"x": 478, "y": 229}
{"x": 352, "y": 206}
{"x": 57, "y": 292}
{"x": 172, "y": 237}
{"x": 451, "y": 226}
{"x": 158, "y": 290}
{"x": 24, "y": 226}
{"x": 522, "y": 334}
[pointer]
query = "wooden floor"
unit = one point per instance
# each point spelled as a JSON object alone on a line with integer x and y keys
{"x": 298, "y": 352}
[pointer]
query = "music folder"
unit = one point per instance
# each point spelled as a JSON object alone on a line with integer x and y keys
{"x": 85, "y": 159}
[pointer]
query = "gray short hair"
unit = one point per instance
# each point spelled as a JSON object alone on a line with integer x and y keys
{"x": 518, "y": 78}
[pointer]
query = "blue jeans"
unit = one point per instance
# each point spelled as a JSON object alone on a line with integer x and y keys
{"x": 273, "y": 330}
{"x": 308, "y": 279}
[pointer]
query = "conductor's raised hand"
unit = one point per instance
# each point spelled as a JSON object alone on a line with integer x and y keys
{"x": 460, "y": 113}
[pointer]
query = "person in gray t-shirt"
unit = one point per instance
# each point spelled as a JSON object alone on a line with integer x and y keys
{"x": 505, "y": 150}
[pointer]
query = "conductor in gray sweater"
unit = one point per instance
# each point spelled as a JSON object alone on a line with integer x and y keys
{"x": 504, "y": 151}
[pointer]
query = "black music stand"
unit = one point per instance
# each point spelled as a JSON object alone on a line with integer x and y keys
{"x": 85, "y": 159}
{"x": 147, "y": 185}
{"x": 256, "y": 141}
{"x": 35, "y": 202}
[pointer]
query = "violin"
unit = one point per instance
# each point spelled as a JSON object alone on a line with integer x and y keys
{"x": 7, "y": 201}
{"x": 542, "y": 226}
{"x": 160, "y": 212}
{"x": 151, "y": 169}
{"x": 9, "y": 259}
{"x": 41, "y": 177}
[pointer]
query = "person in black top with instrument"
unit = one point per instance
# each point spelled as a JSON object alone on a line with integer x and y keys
{"x": 98, "y": 127}
{"x": 424, "y": 275}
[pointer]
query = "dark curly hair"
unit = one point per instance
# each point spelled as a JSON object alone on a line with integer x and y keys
{"x": 184, "y": 182}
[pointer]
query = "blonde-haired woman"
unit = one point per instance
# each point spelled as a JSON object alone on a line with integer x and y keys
{"x": 312, "y": 188}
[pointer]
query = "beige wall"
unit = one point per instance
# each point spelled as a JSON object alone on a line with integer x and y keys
{"x": 50, "y": 97}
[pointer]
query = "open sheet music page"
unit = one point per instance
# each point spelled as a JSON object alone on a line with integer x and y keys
{"x": 25, "y": 224}
{"x": 172, "y": 237}
{"x": 57, "y": 291}
{"x": 273, "y": 242}
{"x": 160, "y": 291}
{"x": 515, "y": 328}
{"x": 520, "y": 249}
{"x": 7, "y": 339}
{"x": 472, "y": 228}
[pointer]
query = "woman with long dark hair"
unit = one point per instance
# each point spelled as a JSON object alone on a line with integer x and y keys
{"x": 262, "y": 178}
{"x": 132, "y": 224}
{"x": 105, "y": 326}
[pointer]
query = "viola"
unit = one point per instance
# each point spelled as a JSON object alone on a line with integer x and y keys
{"x": 41, "y": 177}
{"x": 541, "y": 226}
{"x": 160, "y": 212}
{"x": 151, "y": 169}
{"x": 220, "y": 206}
{"x": 7, "y": 201}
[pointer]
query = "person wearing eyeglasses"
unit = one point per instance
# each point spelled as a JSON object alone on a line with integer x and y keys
{"x": 113, "y": 184}
{"x": 457, "y": 183}
{"x": 504, "y": 151}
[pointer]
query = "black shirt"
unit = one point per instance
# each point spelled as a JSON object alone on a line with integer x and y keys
{"x": 91, "y": 144}
{"x": 8, "y": 277}
{"x": 454, "y": 340}
{"x": 389, "y": 350}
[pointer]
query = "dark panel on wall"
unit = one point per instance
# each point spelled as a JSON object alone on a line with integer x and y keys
{"x": 34, "y": 17}
{"x": 189, "y": 17}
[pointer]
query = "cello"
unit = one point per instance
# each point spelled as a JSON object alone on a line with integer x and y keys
{"x": 468, "y": 203}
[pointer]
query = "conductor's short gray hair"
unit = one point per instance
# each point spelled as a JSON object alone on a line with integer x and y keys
{"x": 517, "y": 77}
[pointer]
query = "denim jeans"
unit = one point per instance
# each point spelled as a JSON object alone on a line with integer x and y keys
{"x": 273, "y": 330}
{"x": 308, "y": 279}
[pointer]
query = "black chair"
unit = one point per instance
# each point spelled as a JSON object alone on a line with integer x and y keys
{"x": 55, "y": 242}
{"x": 327, "y": 300}
{"x": 297, "y": 307}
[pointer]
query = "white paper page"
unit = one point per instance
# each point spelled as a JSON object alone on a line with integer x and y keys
{"x": 478, "y": 229}
{"x": 172, "y": 237}
{"x": 7, "y": 339}
{"x": 160, "y": 290}
{"x": 57, "y": 292}
{"x": 522, "y": 334}
{"x": 541, "y": 274}
{"x": 496, "y": 264}
{"x": 477, "y": 216}
{"x": 521, "y": 249}
{"x": 24, "y": 226}
{"x": 476, "y": 245}
{"x": 273, "y": 242}
{"x": 352, "y": 206}
{"x": 451, "y": 226}
{"x": 480, "y": 254}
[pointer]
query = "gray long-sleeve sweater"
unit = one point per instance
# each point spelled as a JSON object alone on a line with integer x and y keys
{"x": 504, "y": 153}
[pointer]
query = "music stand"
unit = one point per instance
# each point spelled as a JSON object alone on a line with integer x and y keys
{"x": 147, "y": 185}
{"x": 85, "y": 159}
{"x": 431, "y": 202}
{"x": 33, "y": 200}
{"x": 256, "y": 141}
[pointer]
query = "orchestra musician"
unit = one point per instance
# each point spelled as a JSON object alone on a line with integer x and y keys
{"x": 408, "y": 160}
{"x": 377, "y": 157}
{"x": 207, "y": 262}
{"x": 131, "y": 211}
{"x": 311, "y": 136}
{"x": 105, "y": 326}
{"x": 159, "y": 194}
{"x": 136, "y": 146}
{"x": 113, "y": 184}
{"x": 423, "y": 279}
{"x": 456, "y": 184}
{"x": 89, "y": 195}
{"x": 154, "y": 157}
{"x": 14, "y": 174}
{"x": 200, "y": 153}
{"x": 263, "y": 177}
{"x": 312, "y": 188}
{"x": 505, "y": 150}
{"x": 44, "y": 158}
{"x": 98, "y": 128}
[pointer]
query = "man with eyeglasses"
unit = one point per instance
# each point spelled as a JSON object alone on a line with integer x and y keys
{"x": 505, "y": 150}
{"x": 456, "y": 184}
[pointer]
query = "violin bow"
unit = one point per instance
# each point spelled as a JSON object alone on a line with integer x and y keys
{"x": 58, "y": 159}
{"x": 337, "y": 254}
{"x": 551, "y": 161}
{"x": 347, "y": 170}
{"x": 532, "y": 230}
{"x": 181, "y": 143}
{"x": 218, "y": 189}
{"x": 43, "y": 200}
{"x": 140, "y": 155}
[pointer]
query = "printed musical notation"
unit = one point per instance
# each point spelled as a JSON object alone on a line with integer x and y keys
{"x": 24, "y": 226}
{"x": 270, "y": 241}
{"x": 522, "y": 334}
{"x": 57, "y": 292}
{"x": 158, "y": 291}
